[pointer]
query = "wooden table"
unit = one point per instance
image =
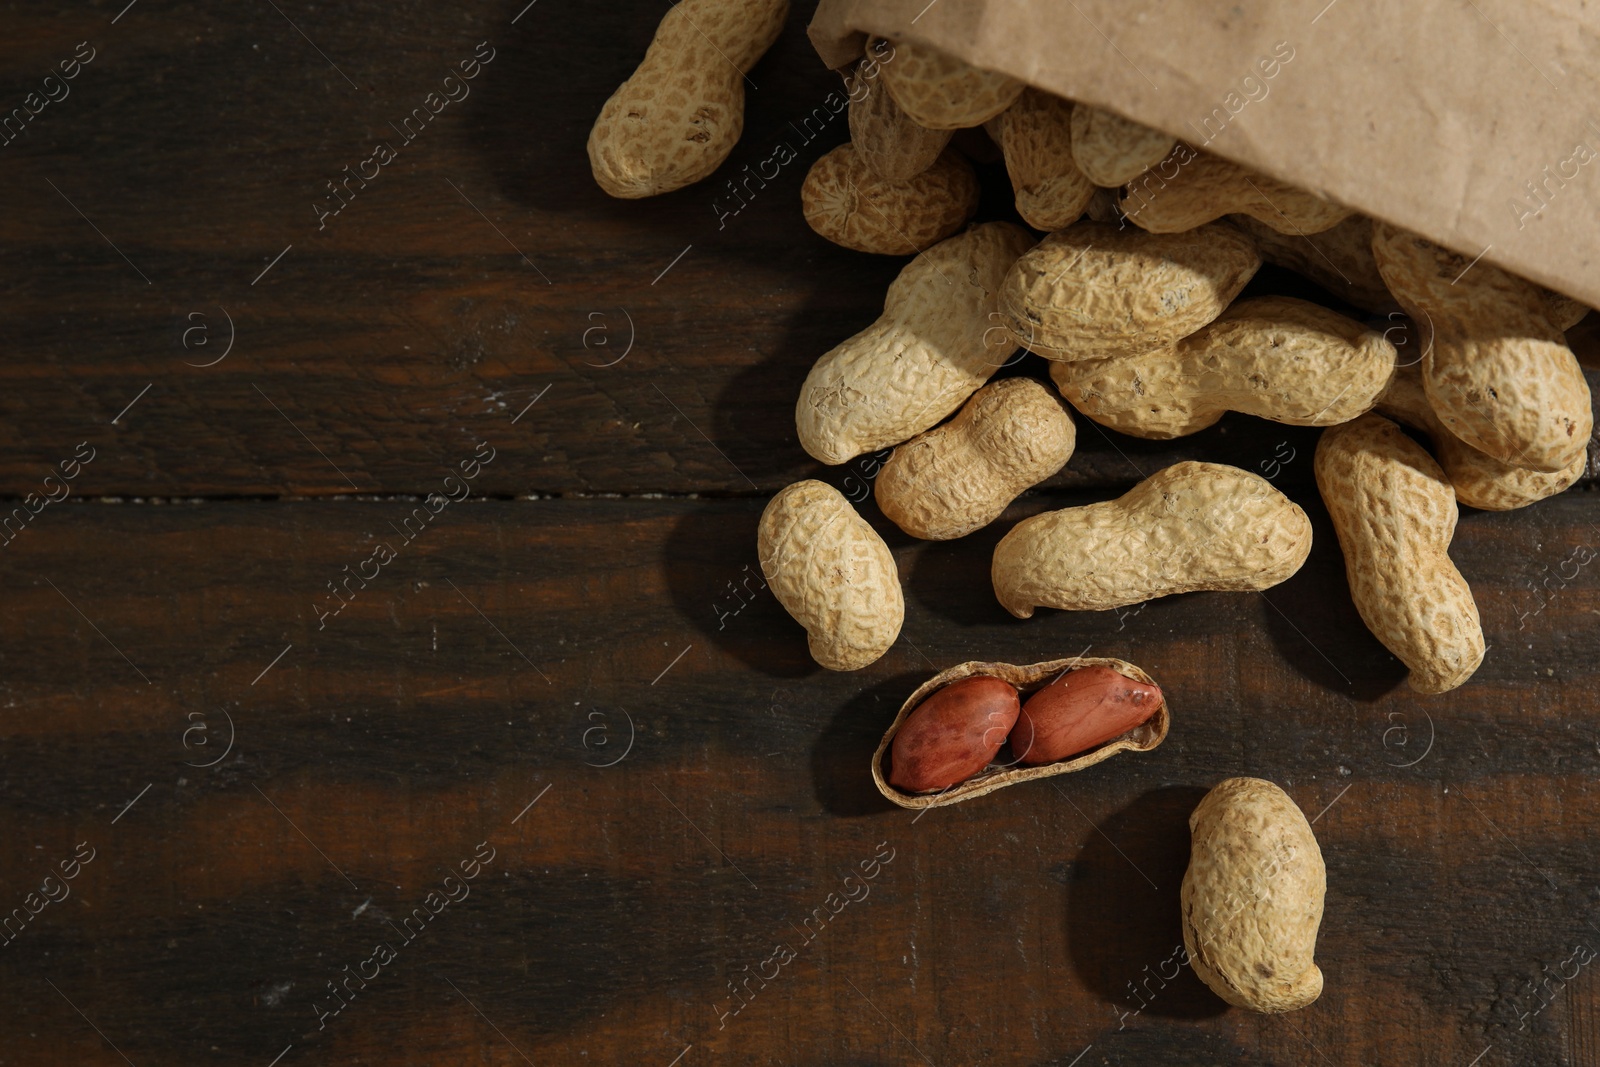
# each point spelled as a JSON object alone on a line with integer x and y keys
{"x": 555, "y": 781}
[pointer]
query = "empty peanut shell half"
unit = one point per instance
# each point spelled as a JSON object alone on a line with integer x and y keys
{"x": 1029, "y": 679}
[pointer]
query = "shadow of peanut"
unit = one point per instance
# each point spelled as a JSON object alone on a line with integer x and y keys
{"x": 1124, "y": 935}
{"x": 841, "y": 758}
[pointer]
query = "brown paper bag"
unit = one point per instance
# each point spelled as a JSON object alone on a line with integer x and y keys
{"x": 1476, "y": 122}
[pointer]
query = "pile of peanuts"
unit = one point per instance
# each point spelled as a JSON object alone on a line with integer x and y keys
{"x": 1131, "y": 297}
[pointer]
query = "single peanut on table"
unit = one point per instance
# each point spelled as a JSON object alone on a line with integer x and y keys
{"x": 941, "y": 92}
{"x": 1035, "y": 134}
{"x": 1395, "y": 513}
{"x": 1112, "y": 150}
{"x": 892, "y": 146}
{"x": 1498, "y": 371}
{"x": 958, "y": 477}
{"x": 1095, "y": 290}
{"x": 935, "y": 344}
{"x": 1191, "y": 526}
{"x": 847, "y": 202}
{"x": 1275, "y": 357}
{"x": 833, "y": 573}
{"x": 1201, "y": 188}
{"x": 1252, "y": 897}
{"x": 676, "y": 119}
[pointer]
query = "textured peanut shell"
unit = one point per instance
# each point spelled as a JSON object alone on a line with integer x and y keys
{"x": 1565, "y": 312}
{"x": 1498, "y": 372}
{"x": 934, "y": 345}
{"x": 833, "y": 573}
{"x": 1339, "y": 259}
{"x": 1035, "y": 135}
{"x": 942, "y": 92}
{"x": 1094, "y": 290}
{"x": 1252, "y": 897}
{"x": 1480, "y": 481}
{"x": 676, "y": 119}
{"x": 1207, "y": 187}
{"x": 887, "y": 141}
{"x": 1395, "y": 513}
{"x": 845, "y": 201}
{"x": 1274, "y": 357}
{"x": 959, "y": 477}
{"x": 1028, "y": 678}
{"x": 1191, "y": 526}
{"x": 1112, "y": 150}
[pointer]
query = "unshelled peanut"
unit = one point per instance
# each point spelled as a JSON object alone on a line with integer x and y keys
{"x": 1479, "y": 480}
{"x": 1252, "y": 897}
{"x": 1395, "y": 513}
{"x": 942, "y": 92}
{"x": 850, "y": 205}
{"x": 1498, "y": 372}
{"x": 1565, "y": 312}
{"x": 1198, "y": 188}
{"x": 959, "y": 477}
{"x": 1339, "y": 259}
{"x": 888, "y": 142}
{"x": 1094, "y": 290}
{"x": 1191, "y": 526}
{"x": 1035, "y": 135}
{"x": 935, "y": 344}
{"x": 833, "y": 573}
{"x": 1112, "y": 150}
{"x": 1274, "y": 357}
{"x": 676, "y": 119}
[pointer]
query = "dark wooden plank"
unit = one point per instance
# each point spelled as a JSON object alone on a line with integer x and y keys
{"x": 379, "y": 751}
{"x": 512, "y": 650}
{"x": 480, "y": 271}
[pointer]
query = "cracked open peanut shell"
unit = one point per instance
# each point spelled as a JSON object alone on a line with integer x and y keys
{"x": 1028, "y": 678}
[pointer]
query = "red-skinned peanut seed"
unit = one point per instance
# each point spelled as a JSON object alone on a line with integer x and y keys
{"x": 1079, "y": 710}
{"x": 953, "y": 734}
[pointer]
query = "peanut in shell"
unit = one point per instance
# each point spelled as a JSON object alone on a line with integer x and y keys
{"x": 935, "y": 344}
{"x": 1095, "y": 290}
{"x": 678, "y": 116}
{"x": 1497, "y": 369}
{"x": 891, "y": 145}
{"x": 941, "y": 92}
{"x": 958, "y": 477}
{"x": 1192, "y": 526}
{"x": 832, "y": 572}
{"x": 1274, "y": 357}
{"x": 1035, "y": 134}
{"x": 847, "y": 202}
{"x": 1252, "y": 897}
{"x": 1199, "y": 188}
{"x": 1112, "y": 150}
{"x": 1395, "y": 512}
{"x": 1479, "y": 480}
